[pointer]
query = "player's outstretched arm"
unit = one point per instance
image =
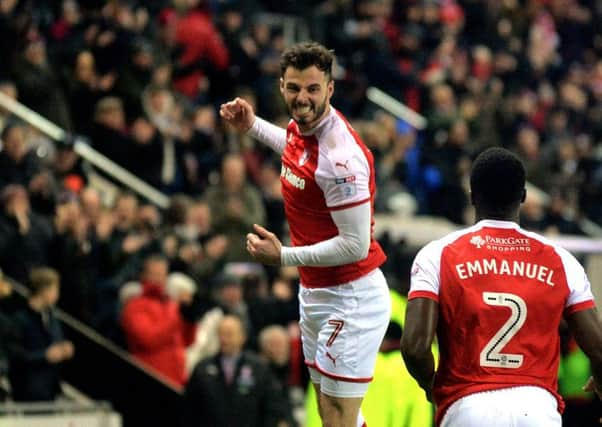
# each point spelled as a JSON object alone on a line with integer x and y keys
{"x": 241, "y": 116}
{"x": 422, "y": 315}
{"x": 587, "y": 329}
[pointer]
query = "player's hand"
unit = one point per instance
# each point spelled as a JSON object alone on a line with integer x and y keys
{"x": 429, "y": 394}
{"x": 238, "y": 113}
{"x": 590, "y": 386}
{"x": 428, "y": 389}
{"x": 264, "y": 246}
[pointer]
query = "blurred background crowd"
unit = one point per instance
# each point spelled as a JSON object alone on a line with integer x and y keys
{"x": 142, "y": 81}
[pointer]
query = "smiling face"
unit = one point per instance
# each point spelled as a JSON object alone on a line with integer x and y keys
{"x": 307, "y": 94}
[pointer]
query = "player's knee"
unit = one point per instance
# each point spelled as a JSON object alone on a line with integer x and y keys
{"x": 333, "y": 411}
{"x": 331, "y": 405}
{"x": 332, "y": 402}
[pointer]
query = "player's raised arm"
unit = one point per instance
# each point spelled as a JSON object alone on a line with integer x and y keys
{"x": 240, "y": 114}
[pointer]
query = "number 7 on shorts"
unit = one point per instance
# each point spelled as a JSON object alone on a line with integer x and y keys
{"x": 338, "y": 325}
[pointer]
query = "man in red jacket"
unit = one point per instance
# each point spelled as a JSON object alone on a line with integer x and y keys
{"x": 155, "y": 331}
{"x": 196, "y": 43}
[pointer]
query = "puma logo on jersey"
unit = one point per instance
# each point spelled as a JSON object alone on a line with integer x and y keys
{"x": 333, "y": 359}
{"x": 342, "y": 165}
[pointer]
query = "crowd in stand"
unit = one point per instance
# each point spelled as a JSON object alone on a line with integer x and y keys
{"x": 142, "y": 81}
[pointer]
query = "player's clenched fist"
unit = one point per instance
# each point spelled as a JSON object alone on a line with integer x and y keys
{"x": 238, "y": 113}
{"x": 264, "y": 246}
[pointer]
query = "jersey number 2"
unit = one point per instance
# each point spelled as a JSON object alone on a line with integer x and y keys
{"x": 491, "y": 355}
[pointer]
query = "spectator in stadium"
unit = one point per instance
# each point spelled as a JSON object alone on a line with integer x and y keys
{"x": 183, "y": 27}
{"x": 109, "y": 131}
{"x": 275, "y": 350}
{"x": 24, "y": 235}
{"x": 38, "y": 83}
{"x": 462, "y": 280}
{"x": 34, "y": 373}
{"x": 155, "y": 331}
{"x": 240, "y": 204}
{"x": 18, "y": 164}
{"x": 234, "y": 388}
{"x": 71, "y": 255}
{"x": 84, "y": 90}
{"x": 201, "y": 252}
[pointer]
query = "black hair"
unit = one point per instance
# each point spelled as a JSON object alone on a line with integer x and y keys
{"x": 497, "y": 181}
{"x": 304, "y": 55}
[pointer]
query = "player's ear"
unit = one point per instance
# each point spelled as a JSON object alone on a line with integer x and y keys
{"x": 524, "y": 197}
{"x": 330, "y": 87}
{"x": 282, "y": 86}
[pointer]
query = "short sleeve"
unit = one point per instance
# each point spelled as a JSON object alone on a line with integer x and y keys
{"x": 425, "y": 273}
{"x": 580, "y": 291}
{"x": 343, "y": 171}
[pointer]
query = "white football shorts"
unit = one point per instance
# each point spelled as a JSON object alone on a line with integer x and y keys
{"x": 526, "y": 406}
{"x": 342, "y": 328}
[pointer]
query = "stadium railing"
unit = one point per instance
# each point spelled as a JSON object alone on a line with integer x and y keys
{"x": 83, "y": 148}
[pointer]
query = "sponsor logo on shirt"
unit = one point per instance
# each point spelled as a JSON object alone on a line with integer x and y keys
{"x": 344, "y": 179}
{"x": 477, "y": 241}
{"x": 346, "y": 185}
{"x": 502, "y": 244}
{"x": 294, "y": 180}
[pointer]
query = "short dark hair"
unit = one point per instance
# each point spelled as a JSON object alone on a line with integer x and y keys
{"x": 304, "y": 55}
{"x": 154, "y": 257}
{"x": 497, "y": 180}
{"x": 41, "y": 278}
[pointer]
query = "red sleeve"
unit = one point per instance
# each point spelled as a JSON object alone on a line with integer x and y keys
{"x": 580, "y": 306}
{"x": 142, "y": 328}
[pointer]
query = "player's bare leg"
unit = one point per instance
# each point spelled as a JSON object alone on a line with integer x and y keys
{"x": 339, "y": 411}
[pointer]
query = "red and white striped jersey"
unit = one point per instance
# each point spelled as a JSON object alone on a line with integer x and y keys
{"x": 502, "y": 292}
{"x": 328, "y": 169}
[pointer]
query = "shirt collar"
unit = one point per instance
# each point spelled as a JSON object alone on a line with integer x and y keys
{"x": 495, "y": 223}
